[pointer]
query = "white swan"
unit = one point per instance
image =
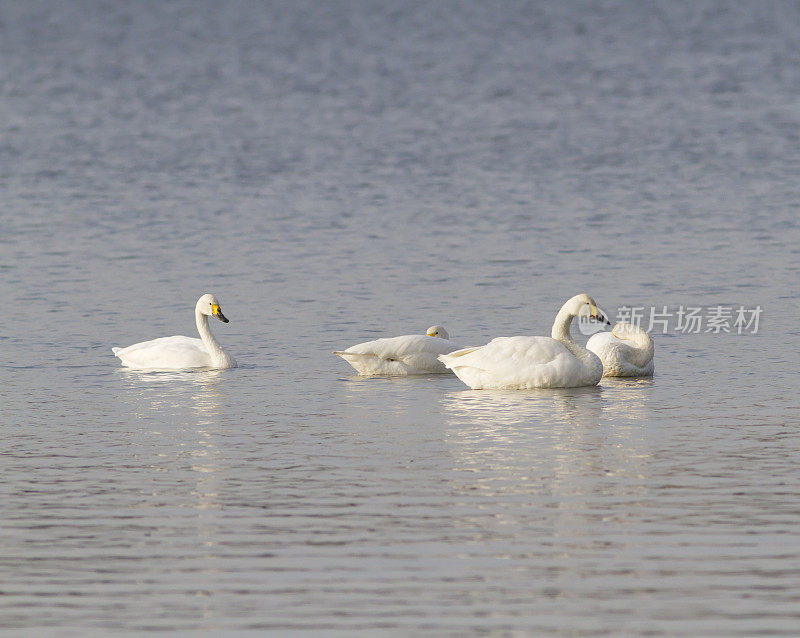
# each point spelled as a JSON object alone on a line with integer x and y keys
{"x": 180, "y": 353}
{"x": 626, "y": 351}
{"x": 401, "y": 356}
{"x": 520, "y": 363}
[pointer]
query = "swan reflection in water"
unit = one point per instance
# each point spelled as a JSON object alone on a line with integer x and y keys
{"x": 627, "y": 398}
{"x": 174, "y": 394}
{"x": 180, "y": 416}
{"x": 512, "y": 407}
{"x": 615, "y": 399}
{"x": 564, "y": 441}
{"x": 181, "y": 419}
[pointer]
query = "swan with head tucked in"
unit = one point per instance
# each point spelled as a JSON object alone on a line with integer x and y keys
{"x": 521, "y": 363}
{"x": 401, "y": 356}
{"x": 626, "y": 351}
{"x": 178, "y": 352}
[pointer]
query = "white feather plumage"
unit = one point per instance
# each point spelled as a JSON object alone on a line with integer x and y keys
{"x": 179, "y": 352}
{"x": 626, "y": 351}
{"x": 519, "y": 363}
{"x": 401, "y": 356}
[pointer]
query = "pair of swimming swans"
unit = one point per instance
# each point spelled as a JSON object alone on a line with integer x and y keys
{"x": 408, "y": 355}
{"x": 503, "y": 363}
{"x": 515, "y": 362}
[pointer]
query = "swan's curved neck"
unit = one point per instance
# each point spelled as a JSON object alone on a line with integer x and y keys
{"x": 591, "y": 363}
{"x": 643, "y": 341}
{"x": 561, "y": 326}
{"x": 635, "y": 337}
{"x": 560, "y": 332}
{"x": 642, "y": 344}
{"x": 218, "y": 355}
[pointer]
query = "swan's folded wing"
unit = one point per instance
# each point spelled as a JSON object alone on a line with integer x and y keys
{"x": 165, "y": 352}
{"x": 418, "y": 352}
{"x": 397, "y": 347}
{"x": 177, "y": 343}
{"x": 513, "y": 362}
{"x": 511, "y": 351}
{"x": 600, "y": 340}
{"x": 359, "y": 359}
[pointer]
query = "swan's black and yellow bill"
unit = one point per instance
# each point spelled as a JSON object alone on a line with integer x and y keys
{"x": 218, "y": 313}
{"x": 598, "y": 316}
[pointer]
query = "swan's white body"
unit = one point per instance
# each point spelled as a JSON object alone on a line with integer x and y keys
{"x": 626, "y": 351}
{"x": 520, "y": 363}
{"x": 401, "y": 356}
{"x": 178, "y": 352}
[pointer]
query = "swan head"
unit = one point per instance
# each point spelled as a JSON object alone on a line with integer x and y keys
{"x": 584, "y": 306}
{"x": 209, "y": 306}
{"x": 437, "y": 331}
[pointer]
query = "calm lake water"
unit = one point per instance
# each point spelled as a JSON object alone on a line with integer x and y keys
{"x": 339, "y": 171}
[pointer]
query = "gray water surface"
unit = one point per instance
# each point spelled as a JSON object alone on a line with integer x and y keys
{"x": 335, "y": 172}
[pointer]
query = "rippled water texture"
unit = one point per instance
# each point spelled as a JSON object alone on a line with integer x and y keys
{"x": 340, "y": 171}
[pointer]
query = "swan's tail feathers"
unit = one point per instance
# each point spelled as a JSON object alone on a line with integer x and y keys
{"x": 363, "y": 363}
{"x": 449, "y": 359}
{"x": 115, "y": 350}
{"x": 458, "y": 353}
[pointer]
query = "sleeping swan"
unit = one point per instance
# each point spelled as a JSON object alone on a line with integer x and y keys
{"x": 521, "y": 363}
{"x": 401, "y": 356}
{"x": 181, "y": 353}
{"x": 626, "y": 351}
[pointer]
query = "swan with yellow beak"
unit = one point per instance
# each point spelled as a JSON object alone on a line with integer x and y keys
{"x": 401, "y": 356}
{"x": 179, "y": 352}
{"x": 519, "y": 363}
